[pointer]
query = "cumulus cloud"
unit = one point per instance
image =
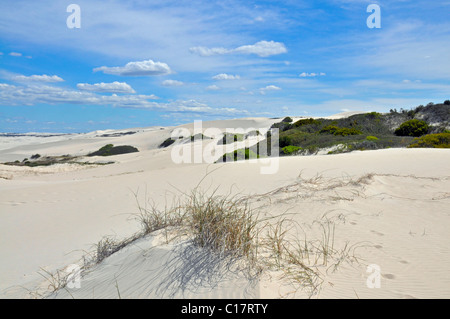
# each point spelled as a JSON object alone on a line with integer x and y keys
{"x": 311, "y": 75}
{"x": 264, "y": 90}
{"x": 140, "y": 68}
{"x": 115, "y": 87}
{"x": 212, "y": 88}
{"x": 38, "y": 78}
{"x": 172, "y": 83}
{"x": 261, "y": 48}
{"x": 224, "y": 76}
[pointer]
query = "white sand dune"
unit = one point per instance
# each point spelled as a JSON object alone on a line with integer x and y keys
{"x": 396, "y": 216}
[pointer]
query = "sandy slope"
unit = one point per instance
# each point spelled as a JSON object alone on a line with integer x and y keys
{"x": 397, "y": 218}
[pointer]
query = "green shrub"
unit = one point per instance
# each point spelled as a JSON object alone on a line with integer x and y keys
{"x": 309, "y": 121}
{"x": 35, "y": 156}
{"x": 198, "y": 137}
{"x": 253, "y": 133}
{"x": 287, "y": 120}
{"x": 372, "y": 138}
{"x": 291, "y": 149}
{"x": 414, "y": 128}
{"x": 447, "y": 102}
{"x": 110, "y": 149}
{"x": 231, "y": 138}
{"x": 340, "y": 131}
{"x": 241, "y": 154}
{"x": 167, "y": 142}
{"x": 285, "y": 141}
{"x": 440, "y": 140}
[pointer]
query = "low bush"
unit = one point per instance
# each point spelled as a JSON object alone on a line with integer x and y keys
{"x": 287, "y": 120}
{"x": 339, "y": 131}
{"x": 231, "y": 138}
{"x": 198, "y": 137}
{"x": 110, "y": 149}
{"x": 413, "y": 128}
{"x": 241, "y": 154}
{"x": 440, "y": 140}
{"x": 167, "y": 143}
{"x": 291, "y": 149}
{"x": 372, "y": 138}
{"x": 309, "y": 121}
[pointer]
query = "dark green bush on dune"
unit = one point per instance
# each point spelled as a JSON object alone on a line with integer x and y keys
{"x": 167, "y": 143}
{"x": 110, "y": 149}
{"x": 240, "y": 154}
{"x": 413, "y": 128}
{"x": 309, "y": 121}
{"x": 340, "y": 131}
{"x": 231, "y": 138}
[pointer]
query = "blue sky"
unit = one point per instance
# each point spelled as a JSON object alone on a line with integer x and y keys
{"x": 144, "y": 63}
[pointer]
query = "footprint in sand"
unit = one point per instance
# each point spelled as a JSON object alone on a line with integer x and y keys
{"x": 404, "y": 262}
{"x": 378, "y": 247}
{"x": 377, "y": 233}
{"x": 388, "y": 276}
{"x": 14, "y": 203}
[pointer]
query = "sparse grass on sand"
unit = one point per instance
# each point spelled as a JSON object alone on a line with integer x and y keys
{"x": 229, "y": 227}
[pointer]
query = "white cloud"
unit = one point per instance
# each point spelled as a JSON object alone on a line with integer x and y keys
{"x": 264, "y": 90}
{"x": 213, "y": 88}
{"x": 172, "y": 83}
{"x": 224, "y": 76}
{"x": 203, "y": 51}
{"x": 311, "y": 75}
{"x": 38, "y": 78}
{"x": 261, "y": 48}
{"x": 140, "y": 68}
{"x": 44, "y": 94}
{"x": 15, "y": 54}
{"x": 115, "y": 87}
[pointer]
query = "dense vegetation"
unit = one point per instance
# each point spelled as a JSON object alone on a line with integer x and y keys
{"x": 369, "y": 131}
{"x": 440, "y": 140}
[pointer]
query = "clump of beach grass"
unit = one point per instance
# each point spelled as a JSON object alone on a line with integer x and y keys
{"x": 229, "y": 227}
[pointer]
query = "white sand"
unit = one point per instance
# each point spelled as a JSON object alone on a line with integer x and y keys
{"x": 397, "y": 219}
